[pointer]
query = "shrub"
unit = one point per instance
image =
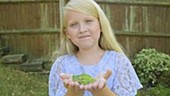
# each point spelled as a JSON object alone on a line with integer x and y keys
{"x": 149, "y": 65}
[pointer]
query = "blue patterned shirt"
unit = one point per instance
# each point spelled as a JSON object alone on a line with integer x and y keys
{"x": 123, "y": 81}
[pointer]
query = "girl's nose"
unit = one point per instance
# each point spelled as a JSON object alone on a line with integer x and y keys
{"x": 82, "y": 28}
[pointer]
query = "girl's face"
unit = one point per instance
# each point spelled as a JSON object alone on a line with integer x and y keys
{"x": 83, "y": 30}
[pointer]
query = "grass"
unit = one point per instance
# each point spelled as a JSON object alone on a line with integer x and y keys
{"x": 18, "y": 83}
{"x": 155, "y": 91}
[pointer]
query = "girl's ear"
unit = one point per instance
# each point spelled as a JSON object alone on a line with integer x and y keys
{"x": 66, "y": 33}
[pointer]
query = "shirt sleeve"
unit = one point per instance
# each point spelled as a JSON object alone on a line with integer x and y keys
{"x": 126, "y": 82}
{"x": 56, "y": 87}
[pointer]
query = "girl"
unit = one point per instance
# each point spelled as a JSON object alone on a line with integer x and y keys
{"x": 89, "y": 46}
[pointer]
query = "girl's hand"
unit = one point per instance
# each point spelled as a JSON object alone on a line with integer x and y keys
{"x": 72, "y": 87}
{"x": 99, "y": 83}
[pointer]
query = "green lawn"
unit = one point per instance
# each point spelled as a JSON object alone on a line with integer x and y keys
{"x": 18, "y": 83}
{"x": 155, "y": 91}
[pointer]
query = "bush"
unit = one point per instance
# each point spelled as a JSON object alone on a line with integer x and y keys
{"x": 149, "y": 65}
{"x": 165, "y": 78}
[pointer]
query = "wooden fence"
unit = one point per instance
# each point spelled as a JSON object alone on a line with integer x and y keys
{"x": 32, "y": 26}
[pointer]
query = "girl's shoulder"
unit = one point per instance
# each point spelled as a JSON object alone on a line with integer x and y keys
{"x": 117, "y": 57}
{"x": 115, "y": 54}
{"x": 61, "y": 59}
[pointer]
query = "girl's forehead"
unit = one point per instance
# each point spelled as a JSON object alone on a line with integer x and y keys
{"x": 75, "y": 15}
{"x": 71, "y": 16}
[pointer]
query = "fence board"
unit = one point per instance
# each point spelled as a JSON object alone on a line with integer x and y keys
{"x": 16, "y": 16}
{"x": 138, "y": 18}
{"x": 133, "y": 44}
{"x": 34, "y": 45}
{"x": 137, "y": 2}
{"x": 137, "y": 23}
{"x": 27, "y": 1}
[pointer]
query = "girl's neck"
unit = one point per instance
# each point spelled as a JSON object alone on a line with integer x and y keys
{"x": 90, "y": 57}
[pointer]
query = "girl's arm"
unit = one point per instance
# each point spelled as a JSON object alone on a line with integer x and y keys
{"x": 54, "y": 82}
{"x": 56, "y": 87}
{"x": 74, "y": 91}
{"x": 103, "y": 92}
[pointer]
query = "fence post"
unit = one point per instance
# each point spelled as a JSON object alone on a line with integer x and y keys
{"x": 61, "y": 5}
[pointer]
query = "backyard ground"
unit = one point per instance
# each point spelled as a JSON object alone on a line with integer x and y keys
{"x": 17, "y": 83}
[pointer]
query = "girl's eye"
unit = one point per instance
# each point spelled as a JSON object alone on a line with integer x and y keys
{"x": 88, "y": 21}
{"x": 73, "y": 25}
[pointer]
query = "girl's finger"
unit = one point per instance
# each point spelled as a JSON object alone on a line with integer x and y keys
{"x": 102, "y": 83}
{"x": 107, "y": 74}
{"x": 65, "y": 76}
{"x": 95, "y": 85}
{"x": 88, "y": 87}
{"x": 65, "y": 83}
{"x": 81, "y": 87}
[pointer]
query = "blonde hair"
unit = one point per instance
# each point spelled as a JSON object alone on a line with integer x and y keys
{"x": 107, "y": 39}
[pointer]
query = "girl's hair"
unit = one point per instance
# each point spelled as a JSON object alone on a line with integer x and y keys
{"x": 107, "y": 39}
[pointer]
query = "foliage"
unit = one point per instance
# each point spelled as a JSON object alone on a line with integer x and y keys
{"x": 18, "y": 83}
{"x": 149, "y": 65}
{"x": 159, "y": 90}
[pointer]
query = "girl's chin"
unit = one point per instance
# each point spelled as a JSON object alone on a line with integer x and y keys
{"x": 86, "y": 46}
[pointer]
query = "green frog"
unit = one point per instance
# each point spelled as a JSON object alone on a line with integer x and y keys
{"x": 83, "y": 79}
